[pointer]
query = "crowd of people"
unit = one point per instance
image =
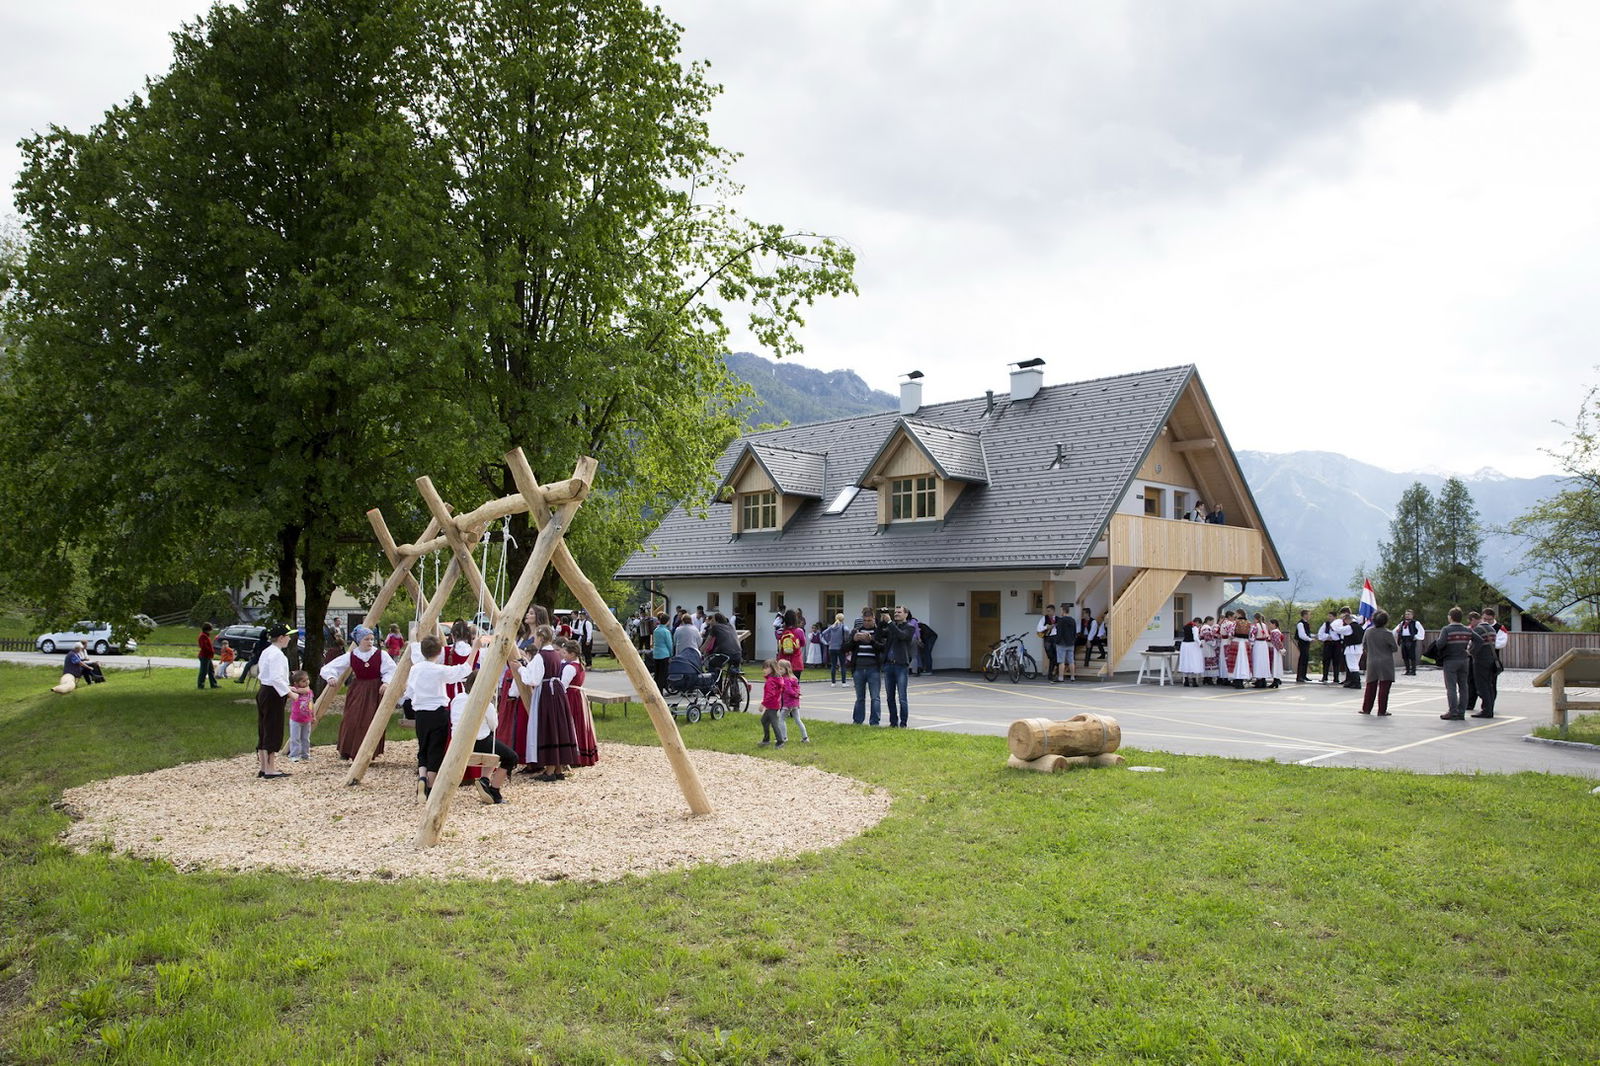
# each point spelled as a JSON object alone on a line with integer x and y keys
{"x": 537, "y": 722}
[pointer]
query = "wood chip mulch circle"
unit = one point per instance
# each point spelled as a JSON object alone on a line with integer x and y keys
{"x": 624, "y": 816}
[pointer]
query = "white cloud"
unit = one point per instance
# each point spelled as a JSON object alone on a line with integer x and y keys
{"x": 1371, "y": 224}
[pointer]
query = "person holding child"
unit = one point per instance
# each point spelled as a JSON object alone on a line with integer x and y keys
{"x": 300, "y": 720}
{"x": 370, "y": 670}
{"x": 772, "y": 703}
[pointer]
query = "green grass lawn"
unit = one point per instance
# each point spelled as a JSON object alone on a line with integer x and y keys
{"x": 1219, "y": 912}
{"x": 1581, "y": 729}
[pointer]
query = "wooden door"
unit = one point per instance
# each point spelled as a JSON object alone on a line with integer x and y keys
{"x": 983, "y": 623}
{"x": 744, "y": 613}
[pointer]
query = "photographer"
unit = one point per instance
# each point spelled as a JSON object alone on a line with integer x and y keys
{"x": 867, "y": 640}
{"x": 900, "y": 639}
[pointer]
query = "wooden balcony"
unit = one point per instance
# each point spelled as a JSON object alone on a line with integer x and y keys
{"x": 1196, "y": 547}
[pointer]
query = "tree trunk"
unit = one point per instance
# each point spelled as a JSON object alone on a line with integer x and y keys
{"x": 318, "y": 570}
{"x": 288, "y": 601}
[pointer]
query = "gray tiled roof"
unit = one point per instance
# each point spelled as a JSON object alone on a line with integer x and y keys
{"x": 956, "y": 453}
{"x": 1024, "y": 512}
{"x": 795, "y": 473}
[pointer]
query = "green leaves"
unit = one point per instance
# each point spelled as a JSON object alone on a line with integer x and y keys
{"x": 344, "y": 243}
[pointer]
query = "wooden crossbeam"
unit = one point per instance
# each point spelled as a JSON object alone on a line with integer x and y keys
{"x": 401, "y": 574}
{"x": 600, "y": 613}
{"x": 402, "y": 670}
{"x": 493, "y": 659}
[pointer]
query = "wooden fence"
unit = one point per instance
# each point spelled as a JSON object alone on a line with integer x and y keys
{"x": 17, "y": 644}
{"x": 1535, "y": 651}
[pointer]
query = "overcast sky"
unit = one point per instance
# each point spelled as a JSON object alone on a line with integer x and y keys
{"x": 1372, "y": 224}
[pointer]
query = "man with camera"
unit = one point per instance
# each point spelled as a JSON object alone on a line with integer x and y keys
{"x": 899, "y": 650}
{"x": 867, "y": 641}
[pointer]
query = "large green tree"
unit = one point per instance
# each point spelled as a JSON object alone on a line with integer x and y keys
{"x": 1560, "y": 536}
{"x": 1406, "y": 559}
{"x": 1457, "y": 547}
{"x": 231, "y": 304}
{"x": 342, "y": 243}
{"x": 605, "y": 254}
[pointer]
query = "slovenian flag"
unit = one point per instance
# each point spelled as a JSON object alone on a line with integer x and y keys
{"x": 1369, "y": 601}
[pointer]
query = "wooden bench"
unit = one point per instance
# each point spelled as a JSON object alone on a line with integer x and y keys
{"x": 1579, "y": 668}
{"x": 602, "y": 700}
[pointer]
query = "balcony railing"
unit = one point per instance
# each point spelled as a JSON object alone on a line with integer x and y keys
{"x": 1198, "y": 547}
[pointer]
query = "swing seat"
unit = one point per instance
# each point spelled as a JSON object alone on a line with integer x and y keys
{"x": 483, "y": 760}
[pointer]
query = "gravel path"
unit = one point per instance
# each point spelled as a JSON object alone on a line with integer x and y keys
{"x": 624, "y": 816}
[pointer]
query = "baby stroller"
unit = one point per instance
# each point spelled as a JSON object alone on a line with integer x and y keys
{"x": 694, "y": 687}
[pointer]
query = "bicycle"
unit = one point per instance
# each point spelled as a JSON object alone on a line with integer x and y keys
{"x": 1011, "y": 657}
{"x": 733, "y": 689}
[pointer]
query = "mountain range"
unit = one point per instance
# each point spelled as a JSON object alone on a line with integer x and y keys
{"x": 1327, "y": 514}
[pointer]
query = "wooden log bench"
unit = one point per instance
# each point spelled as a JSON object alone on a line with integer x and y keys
{"x": 603, "y": 700}
{"x": 1578, "y": 668}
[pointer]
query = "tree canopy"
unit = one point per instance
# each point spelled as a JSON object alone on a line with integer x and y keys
{"x": 343, "y": 243}
{"x": 1434, "y": 555}
{"x": 1561, "y": 535}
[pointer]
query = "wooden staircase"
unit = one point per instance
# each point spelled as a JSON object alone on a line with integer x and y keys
{"x": 1135, "y": 605}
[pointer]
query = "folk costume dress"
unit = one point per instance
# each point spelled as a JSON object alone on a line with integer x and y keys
{"x": 550, "y": 732}
{"x": 1225, "y": 647}
{"x": 1239, "y": 661}
{"x": 1191, "y": 659}
{"x": 1208, "y": 648}
{"x": 1276, "y": 637}
{"x": 369, "y": 670}
{"x": 454, "y": 655}
{"x": 572, "y": 675}
{"x": 512, "y": 728}
{"x": 1260, "y": 652}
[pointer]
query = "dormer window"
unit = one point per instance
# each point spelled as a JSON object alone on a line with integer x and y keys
{"x": 768, "y": 485}
{"x": 921, "y": 469}
{"x": 913, "y": 498}
{"x": 759, "y": 510}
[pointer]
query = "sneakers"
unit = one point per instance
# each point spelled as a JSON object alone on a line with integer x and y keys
{"x": 779, "y": 744}
{"x": 487, "y": 793}
{"x": 765, "y": 744}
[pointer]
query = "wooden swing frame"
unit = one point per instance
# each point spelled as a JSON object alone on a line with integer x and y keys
{"x": 552, "y": 508}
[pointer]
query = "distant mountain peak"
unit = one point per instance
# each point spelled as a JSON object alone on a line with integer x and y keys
{"x": 787, "y": 391}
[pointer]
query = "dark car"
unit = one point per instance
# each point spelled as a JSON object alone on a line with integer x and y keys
{"x": 245, "y": 640}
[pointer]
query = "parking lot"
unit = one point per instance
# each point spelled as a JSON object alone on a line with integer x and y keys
{"x": 1311, "y": 724}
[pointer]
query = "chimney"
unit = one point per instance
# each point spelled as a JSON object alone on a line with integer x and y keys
{"x": 911, "y": 393}
{"x": 1027, "y": 377}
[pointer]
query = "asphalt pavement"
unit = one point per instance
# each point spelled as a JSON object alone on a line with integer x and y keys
{"x": 1311, "y": 724}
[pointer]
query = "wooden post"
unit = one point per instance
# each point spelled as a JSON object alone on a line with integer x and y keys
{"x": 402, "y": 670}
{"x": 600, "y": 613}
{"x": 400, "y": 574}
{"x": 495, "y": 656}
{"x": 1558, "y": 700}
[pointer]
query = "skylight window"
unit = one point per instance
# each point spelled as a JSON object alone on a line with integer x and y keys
{"x": 846, "y": 496}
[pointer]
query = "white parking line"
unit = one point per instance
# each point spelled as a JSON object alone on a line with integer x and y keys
{"x": 1319, "y": 758}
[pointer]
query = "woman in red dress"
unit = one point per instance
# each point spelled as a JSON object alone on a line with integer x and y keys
{"x": 370, "y": 671}
{"x": 573, "y": 674}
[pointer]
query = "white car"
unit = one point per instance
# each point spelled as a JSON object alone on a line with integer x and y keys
{"x": 96, "y": 636}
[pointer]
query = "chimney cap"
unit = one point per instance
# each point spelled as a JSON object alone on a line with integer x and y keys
{"x": 912, "y": 375}
{"x": 1028, "y": 364}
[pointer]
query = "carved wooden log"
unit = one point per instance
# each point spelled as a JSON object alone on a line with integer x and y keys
{"x": 1050, "y": 764}
{"x": 1082, "y": 734}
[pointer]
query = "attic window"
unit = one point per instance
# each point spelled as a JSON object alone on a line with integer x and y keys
{"x": 846, "y": 496}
